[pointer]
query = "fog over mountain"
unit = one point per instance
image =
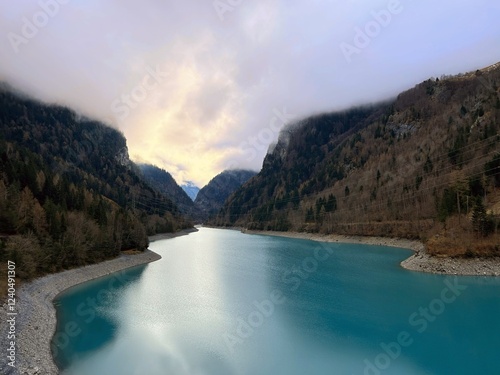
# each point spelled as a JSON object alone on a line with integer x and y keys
{"x": 200, "y": 87}
{"x": 191, "y": 189}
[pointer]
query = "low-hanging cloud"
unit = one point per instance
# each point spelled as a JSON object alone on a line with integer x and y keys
{"x": 190, "y": 82}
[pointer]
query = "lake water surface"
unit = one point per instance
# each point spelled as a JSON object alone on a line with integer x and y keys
{"x": 221, "y": 302}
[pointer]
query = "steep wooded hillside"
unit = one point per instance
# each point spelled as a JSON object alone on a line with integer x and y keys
{"x": 164, "y": 183}
{"x": 211, "y": 197}
{"x": 425, "y": 165}
{"x": 69, "y": 195}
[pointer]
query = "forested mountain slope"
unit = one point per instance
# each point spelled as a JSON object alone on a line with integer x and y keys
{"x": 425, "y": 165}
{"x": 212, "y": 196}
{"x": 69, "y": 195}
{"x": 164, "y": 183}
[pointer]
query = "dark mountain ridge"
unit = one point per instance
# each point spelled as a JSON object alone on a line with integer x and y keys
{"x": 211, "y": 197}
{"x": 69, "y": 195}
{"x": 164, "y": 183}
{"x": 424, "y": 165}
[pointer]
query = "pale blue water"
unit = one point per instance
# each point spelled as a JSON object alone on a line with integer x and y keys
{"x": 226, "y": 303}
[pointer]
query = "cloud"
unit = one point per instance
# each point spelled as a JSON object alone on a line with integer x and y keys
{"x": 219, "y": 82}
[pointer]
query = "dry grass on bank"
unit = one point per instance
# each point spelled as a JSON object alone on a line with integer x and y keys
{"x": 458, "y": 239}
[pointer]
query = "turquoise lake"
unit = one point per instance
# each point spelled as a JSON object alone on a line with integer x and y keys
{"x": 220, "y": 302}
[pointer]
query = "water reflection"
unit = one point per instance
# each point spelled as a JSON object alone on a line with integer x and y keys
{"x": 210, "y": 307}
{"x": 83, "y": 325}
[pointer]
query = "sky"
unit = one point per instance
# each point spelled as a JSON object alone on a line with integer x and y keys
{"x": 200, "y": 86}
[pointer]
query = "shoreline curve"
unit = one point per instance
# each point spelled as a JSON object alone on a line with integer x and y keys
{"x": 420, "y": 261}
{"x": 36, "y": 315}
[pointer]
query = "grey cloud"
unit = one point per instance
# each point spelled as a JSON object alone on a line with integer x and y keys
{"x": 225, "y": 78}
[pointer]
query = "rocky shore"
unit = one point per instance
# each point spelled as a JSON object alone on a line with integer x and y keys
{"x": 452, "y": 266}
{"x": 35, "y": 322}
{"x": 420, "y": 261}
{"x": 36, "y": 315}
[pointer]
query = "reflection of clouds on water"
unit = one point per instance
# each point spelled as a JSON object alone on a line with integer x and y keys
{"x": 159, "y": 355}
{"x": 347, "y": 303}
{"x": 86, "y": 321}
{"x": 165, "y": 328}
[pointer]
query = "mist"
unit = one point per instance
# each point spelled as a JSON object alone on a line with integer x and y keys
{"x": 199, "y": 87}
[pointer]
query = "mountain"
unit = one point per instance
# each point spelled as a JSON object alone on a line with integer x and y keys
{"x": 191, "y": 190}
{"x": 211, "y": 197}
{"x": 69, "y": 195}
{"x": 423, "y": 165}
{"x": 165, "y": 184}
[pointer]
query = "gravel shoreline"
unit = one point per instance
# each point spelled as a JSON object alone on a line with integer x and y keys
{"x": 36, "y": 315}
{"x": 423, "y": 262}
{"x": 36, "y": 319}
{"x": 420, "y": 261}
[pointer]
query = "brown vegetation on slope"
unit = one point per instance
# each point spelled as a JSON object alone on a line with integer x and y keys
{"x": 421, "y": 166}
